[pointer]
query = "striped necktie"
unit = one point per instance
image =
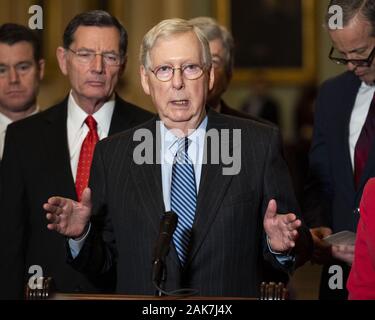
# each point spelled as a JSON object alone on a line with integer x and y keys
{"x": 183, "y": 198}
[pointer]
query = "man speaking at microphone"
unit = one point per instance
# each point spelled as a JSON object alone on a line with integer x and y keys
{"x": 227, "y": 221}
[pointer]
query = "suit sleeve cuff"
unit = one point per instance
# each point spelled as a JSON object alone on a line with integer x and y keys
{"x": 281, "y": 257}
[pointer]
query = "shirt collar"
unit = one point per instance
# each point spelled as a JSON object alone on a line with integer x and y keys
{"x": 170, "y": 140}
{"x": 103, "y": 116}
{"x": 37, "y": 109}
{"x": 4, "y": 121}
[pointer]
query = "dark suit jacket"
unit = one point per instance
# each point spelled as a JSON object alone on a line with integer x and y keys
{"x": 226, "y": 109}
{"x": 268, "y": 272}
{"x": 269, "y": 109}
{"x": 36, "y": 166}
{"x": 331, "y": 197}
{"x": 227, "y": 241}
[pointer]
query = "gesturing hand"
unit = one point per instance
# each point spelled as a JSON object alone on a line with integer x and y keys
{"x": 281, "y": 229}
{"x": 69, "y": 217}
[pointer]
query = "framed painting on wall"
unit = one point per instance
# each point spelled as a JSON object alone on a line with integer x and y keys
{"x": 274, "y": 38}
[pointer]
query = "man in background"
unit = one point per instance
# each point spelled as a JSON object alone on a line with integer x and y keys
{"x": 222, "y": 52}
{"x": 260, "y": 103}
{"x": 51, "y": 153}
{"x": 21, "y": 70}
{"x": 342, "y": 155}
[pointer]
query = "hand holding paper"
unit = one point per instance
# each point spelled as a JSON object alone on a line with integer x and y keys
{"x": 341, "y": 238}
{"x": 342, "y": 245}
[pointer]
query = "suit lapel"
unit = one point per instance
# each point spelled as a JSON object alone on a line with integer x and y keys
{"x": 56, "y": 142}
{"x": 148, "y": 181}
{"x": 212, "y": 189}
{"x": 120, "y": 119}
{"x": 57, "y": 150}
{"x": 352, "y": 91}
{"x": 342, "y": 140}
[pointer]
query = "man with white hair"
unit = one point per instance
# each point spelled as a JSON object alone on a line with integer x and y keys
{"x": 219, "y": 238}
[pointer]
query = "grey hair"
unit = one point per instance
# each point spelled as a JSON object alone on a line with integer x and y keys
{"x": 95, "y": 18}
{"x": 213, "y": 31}
{"x": 167, "y": 28}
{"x": 351, "y": 8}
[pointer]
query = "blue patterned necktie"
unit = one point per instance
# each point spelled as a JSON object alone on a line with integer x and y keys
{"x": 183, "y": 198}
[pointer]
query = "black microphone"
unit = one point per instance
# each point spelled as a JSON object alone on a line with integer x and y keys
{"x": 168, "y": 225}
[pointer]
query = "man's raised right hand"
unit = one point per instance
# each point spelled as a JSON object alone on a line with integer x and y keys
{"x": 68, "y": 217}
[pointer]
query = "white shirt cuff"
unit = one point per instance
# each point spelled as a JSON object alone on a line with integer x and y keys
{"x": 282, "y": 258}
{"x": 76, "y": 245}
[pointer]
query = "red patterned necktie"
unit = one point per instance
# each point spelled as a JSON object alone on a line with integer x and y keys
{"x": 364, "y": 143}
{"x": 85, "y": 156}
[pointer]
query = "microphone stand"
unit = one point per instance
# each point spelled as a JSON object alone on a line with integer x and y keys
{"x": 168, "y": 225}
{"x": 159, "y": 277}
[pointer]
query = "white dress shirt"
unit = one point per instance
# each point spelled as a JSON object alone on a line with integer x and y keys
{"x": 4, "y": 122}
{"x": 77, "y": 128}
{"x": 359, "y": 114}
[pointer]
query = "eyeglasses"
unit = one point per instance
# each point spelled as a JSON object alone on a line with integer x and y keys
{"x": 357, "y": 62}
{"x": 86, "y": 57}
{"x": 189, "y": 71}
{"x": 21, "y": 69}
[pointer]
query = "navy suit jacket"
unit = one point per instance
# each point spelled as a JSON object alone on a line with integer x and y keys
{"x": 227, "y": 242}
{"x": 331, "y": 196}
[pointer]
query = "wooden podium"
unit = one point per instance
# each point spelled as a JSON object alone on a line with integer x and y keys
{"x": 74, "y": 296}
{"x": 268, "y": 291}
